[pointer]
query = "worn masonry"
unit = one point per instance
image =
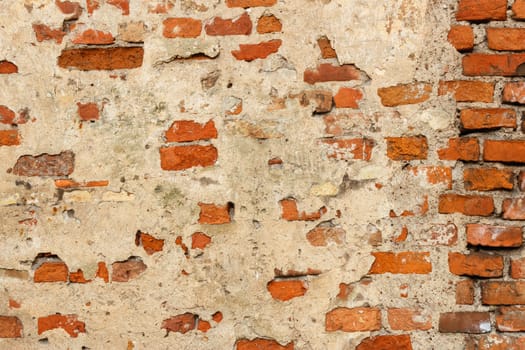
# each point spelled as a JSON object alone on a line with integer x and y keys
{"x": 262, "y": 174}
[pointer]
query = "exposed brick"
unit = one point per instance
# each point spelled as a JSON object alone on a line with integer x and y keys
{"x": 357, "y": 319}
{"x": 466, "y": 205}
{"x": 69, "y": 184}
{"x": 518, "y": 9}
{"x": 150, "y": 244}
{"x": 510, "y": 319}
{"x": 51, "y": 271}
{"x": 203, "y": 326}
{"x": 290, "y": 212}
{"x": 514, "y": 92}
{"x": 88, "y": 111}
{"x": 467, "y": 90}
{"x": 321, "y": 99}
{"x": 327, "y": 72}
{"x": 182, "y": 323}
{"x": 262, "y": 344}
{"x": 213, "y": 214}
{"x": 507, "y": 151}
{"x": 241, "y": 25}
{"x": 435, "y": 175}
{"x": 92, "y": 5}
{"x": 404, "y": 94}
{"x": 482, "y": 64}
{"x": 268, "y": 24}
{"x": 7, "y": 67}
{"x": 494, "y": 236}
{"x": 401, "y": 262}
{"x": 321, "y": 236}
{"x": 8, "y": 116}
{"x": 70, "y": 8}
{"x": 348, "y": 98}
{"x": 182, "y": 27}
{"x": 461, "y": 37}
{"x": 285, "y": 290}
{"x": 503, "y": 293}
{"x": 121, "y": 4}
{"x": 61, "y": 164}
{"x": 350, "y": 149}
{"x": 407, "y": 148}
{"x": 123, "y": 271}
{"x": 68, "y": 323}
{"x": 326, "y": 48}
{"x": 386, "y": 342}
{"x": 77, "y": 277}
{"x": 465, "y": 322}
{"x": 513, "y": 209}
{"x": 463, "y": 148}
{"x": 443, "y": 234}
{"x": 405, "y": 319}
{"x": 465, "y": 292}
{"x": 102, "y": 272}
{"x": 488, "y": 118}
{"x": 250, "y": 52}
{"x": 475, "y": 264}
{"x": 507, "y": 39}
{"x": 188, "y": 130}
{"x": 488, "y": 179}
{"x": 131, "y": 32}
{"x": 200, "y": 240}
{"x": 500, "y": 342}
{"x": 10, "y": 327}
{"x": 521, "y": 181}
{"x": 250, "y": 3}
{"x": 94, "y": 37}
{"x": 185, "y": 157}
{"x": 9, "y": 138}
{"x": 44, "y": 33}
{"x": 517, "y": 268}
{"x": 102, "y": 58}
{"x": 482, "y": 10}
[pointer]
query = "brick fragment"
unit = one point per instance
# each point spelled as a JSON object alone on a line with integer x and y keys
{"x": 290, "y": 212}
{"x": 182, "y": 27}
{"x": 188, "y": 130}
{"x": 68, "y": 323}
{"x": 461, "y": 37}
{"x": 150, "y": 244}
{"x": 182, "y": 323}
{"x": 7, "y": 67}
{"x": 518, "y": 9}
{"x": 513, "y": 208}
{"x": 407, "y": 148}
{"x": 348, "y": 98}
{"x": 70, "y": 8}
{"x": 241, "y": 25}
{"x": 9, "y": 138}
{"x": 435, "y": 175}
{"x": 357, "y": 319}
{"x": 482, "y": 10}
{"x": 213, "y": 214}
{"x": 350, "y": 149}
{"x": 510, "y": 319}
{"x": 466, "y": 205}
{"x": 475, "y": 264}
{"x": 102, "y": 271}
{"x": 386, "y": 342}
{"x": 124, "y": 271}
{"x": 10, "y": 327}
{"x": 185, "y": 157}
{"x": 503, "y": 293}
{"x": 250, "y": 3}
{"x": 506, "y": 39}
{"x": 401, "y": 263}
{"x": 321, "y": 236}
{"x": 285, "y": 290}
{"x": 261, "y": 344}
{"x": 51, "y": 271}
{"x": 268, "y": 24}
{"x": 61, "y": 164}
{"x": 94, "y": 37}
{"x": 8, "y": 116}
{"x": 514, "y": 92}
{"x": 506, "y": 151}
{"x": 77, "y": 277}
{"x": 45, "y": 33}
{"x": 88, "y": 111}
{"x": 467, "y": 90}
{"x": 483, "y": 64}
{"x": 488, "y": 179}
{"x": 405, "y": 319}
{"x": 404, "y": 94}
{"x": 250, "y": 52}
{"x": 110, "y": 58}
{"x": 488, "y": 118}
{"x": 465, "y": 292}
{"x": 465, "y": 322}
{"x": 500, "y": 342}
{"x": 326, "y": 48}
{"x": 200, "y": 240}
{"x": 121, "y": 4}
{"x": 461, "y": 148}
{"x": 517, "y": 268}
{"x": 326, "y": 72}
{"x": 494, "y": 236}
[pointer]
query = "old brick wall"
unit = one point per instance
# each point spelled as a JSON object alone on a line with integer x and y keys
{"x": 262, "y": 174}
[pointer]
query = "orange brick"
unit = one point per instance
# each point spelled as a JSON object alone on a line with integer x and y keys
{"x": 483, "y": 64}
{"x": 285, "y": 290}
{"x": 188, "y": 130}
{"x": 357, "y": 319}
{"x": 510, "y": 319}
{"x": 435, "y": 175}
{"x": 250, "y": 52}
{"x": 109, "y": 58}
{"x": 10, "y": 327}
{"x": 494, "y": 236}
{"x": 262, "y": 344}
{"x": 241, "y": 25}
{"x": 461, "y": 37}
{"x": 7, "y": 67}
{"x": 407, "y": 148}
{"x": 182, "y": 27}
{"x": 94, "y": 37}
{"x": 348, "y": 98}
{"x": 213, "y": 214}
{"x": 517, "y": 268}
{"x": 51, "y": 271}
{"x": 327, "y": 72}
{"x": 9, "y": 138}
{"x": 488, "y": 179}
{"x": 503, "y": 293}
{"x": 68, "y": 323}
{"x": 326, "y": 48}
{"x": 386, "y": 342}
{"x": 488, "y": 118}
{"x": 467, "y": 90}
{"x": 464, "y": 148}
{"x": 518, "y": 9}
{"x": 401, "y": 263}
{"x": 250, "y": 3}
{"x": 350, "y": 149}
{"x": 290, "y": 212}
{"x": 513, "y": 209}
{"x": 185, "y": 157}
{"x": 475, "y": 264}
{"x": 404, "y": 94}
{"x": 405, "y": 319}
{"x": 506, "y": 39}
{"x": 268, "y": 24}
{"x": 482, "y": 10}
{"x": 465, "y": 292}
{"x": 466, "y": 205}
{"x": 514, "y": 92}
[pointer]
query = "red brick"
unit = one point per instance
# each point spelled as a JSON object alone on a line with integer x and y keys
{"x": 503, "y": 293}
{"x": 461, "y": 37}
{"x": 482, "y": 10}
{"x": 350, "y": 149}
{"x": 188, "y": 130}
{"x": 406, "y": 319}
{"x": 92, "y": 5}
{"x": 499, "y": 342}
{"x": 488, "y": 118}
{"x": 262, "y": 344}
{"x": 182, "y": 323}
{"x": 44, "y": 33}
{"x": 88, "y": 111}
{"x": 435, "y": 175}
{"x": 94, "y": 37}
{"x": 185, "y": 157}
{"x": 150, "y": 244}
{"x": 121, "y": 4}
{"x": 321, "y": 236}
{"x": 401, "y": 262}
{"x": 357, "y": 319}
{"x": 514, "y": 92}
{"x": 213, "y": 214}
{"x": 348, "y": 98}
{"x": 182, "y": 27}
{"x": 517, "y": 268}
{"x": 10, "y": 327}
{"x": 510, "y": 319}
{"x": 73, "y": 9}
{"x": 78, "y": 277}
{"x": 268, "y": 24}
{"x": 467, "y": 90}
{"x": 241, "y": 25}
{"x": 465, "y": 322}
{"x": 386, "y": 342}
{"x": 463, "y": 148}
{"x": 488, "y": 179}
{"x": 250, "y": 52}
{"x": 521, "y": 181}
{"x": 69, "y": 184}
{"x": 510, "y": 151}
{"x": 45, "y": 165}
{"x": 250, "y": 3}
{"x": 290, "y": 212}
{"x": 513, "y": 209}
{"x": 102, "y": 272}
{"x": 506, "y": 39}
{"x": 475, "y": 264}
{"x": 124, "y": 271}
{"x": 203, "y": 326}
{"x": 494, "y": 236}
{"x": 200, "y": 240}
{"x": 404, "y": 94}
{"x": 326, "y": 48}
{"x": 51, "y": 271}
{"x": 518, "y": 9}
{"x": 465, "y": 292}
{"x": 9, "y": 138}
{"x": 7, "y": 116}
{"x": 7, "y": 67}
{"x": 327, "y": 72}
{"x": 68, "y": 323}
{"x": 466, "y": 205}
{"x": 407, "y": 148}
{"x": 482, "y": 64}
{"x": 285, "y": 290}
{"x": 102, "y": 58}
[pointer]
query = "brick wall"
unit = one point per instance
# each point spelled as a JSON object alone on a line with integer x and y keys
{"x": 262, "y": 174}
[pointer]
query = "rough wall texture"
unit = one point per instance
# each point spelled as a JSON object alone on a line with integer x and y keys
{"x": 262, "y": 174}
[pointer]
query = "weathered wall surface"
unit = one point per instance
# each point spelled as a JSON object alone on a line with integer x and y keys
{"x": 261, "y": 174}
